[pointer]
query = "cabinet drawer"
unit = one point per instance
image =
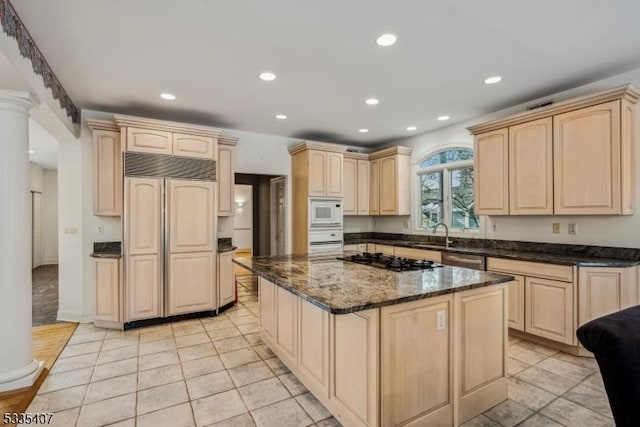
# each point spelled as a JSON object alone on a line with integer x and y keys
{"x": 525, "y": 268}
{"x": 418, "y": 254}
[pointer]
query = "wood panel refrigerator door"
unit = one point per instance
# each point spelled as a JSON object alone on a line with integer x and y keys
{"x": 350, "y": 196}
{"x": 191, "y": 253}
{"x": 491, "y": 172}
{"x": 374, "y": 187}
{"x": 388, "y": 186}
{"x": 363, "y": 187}
{"x": 531, "y": 168}
{"x": 144, "y": 252}
{"x": 586, "y": 161}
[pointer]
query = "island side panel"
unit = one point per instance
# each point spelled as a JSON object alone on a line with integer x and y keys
{"x": 417, "y": 363}
{"x": 480, "y": 355}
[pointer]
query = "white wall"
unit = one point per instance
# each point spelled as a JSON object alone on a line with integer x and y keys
{"x": 592, "y": 230}
{"x": 36, "y": 178}
{"x": 50, "y": 214}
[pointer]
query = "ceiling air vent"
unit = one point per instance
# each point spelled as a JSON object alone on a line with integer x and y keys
{"x": 535, "y": 107}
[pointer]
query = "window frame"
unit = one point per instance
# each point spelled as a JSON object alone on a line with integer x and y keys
{"x": 446, "y": 169}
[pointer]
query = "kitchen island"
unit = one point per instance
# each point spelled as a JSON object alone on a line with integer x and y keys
{"x": 382, "y": 348}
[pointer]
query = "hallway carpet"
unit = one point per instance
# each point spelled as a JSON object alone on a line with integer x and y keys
{"x": 45, "y": 295}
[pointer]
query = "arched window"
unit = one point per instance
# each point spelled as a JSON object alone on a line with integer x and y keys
{"x": 446, "y": 189}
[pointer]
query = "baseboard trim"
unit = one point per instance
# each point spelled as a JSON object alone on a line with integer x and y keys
{"x": 52, "y": 261}
{"x": 74, "y": 316}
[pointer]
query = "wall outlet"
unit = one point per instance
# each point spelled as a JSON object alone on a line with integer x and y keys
{"x": 101, "y": 229}
{"x": 573, "y": 228}
{"x": 556, "y": 228}
{"x": 70, "y": 230}
{"x": 494, "y": 226}
{"x": 406, "y": 223}
{"x": 442, "y": 320}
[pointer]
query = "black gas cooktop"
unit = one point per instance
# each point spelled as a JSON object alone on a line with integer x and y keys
{"x": 390, "y": 262}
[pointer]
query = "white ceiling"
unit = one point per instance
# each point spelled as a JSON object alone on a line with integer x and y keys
{"x": 119, "y": 55}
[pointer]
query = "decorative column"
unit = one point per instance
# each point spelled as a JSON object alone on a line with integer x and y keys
{"x": 17, "y": 367}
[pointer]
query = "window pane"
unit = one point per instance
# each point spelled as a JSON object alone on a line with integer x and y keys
{"x": 431, "y": 199}
{"x": 448, "y": 157}
{"x": 462, "y": 214}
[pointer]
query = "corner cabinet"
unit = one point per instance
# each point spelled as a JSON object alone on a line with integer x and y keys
{"x": 390, "y": 183}
{"x": 575, "y": 157}
{"x": 107, "y": 168}
{"x": 226, "y": 175}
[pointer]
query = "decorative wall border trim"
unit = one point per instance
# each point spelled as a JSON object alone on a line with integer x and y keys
{"x": 13, "y": 26}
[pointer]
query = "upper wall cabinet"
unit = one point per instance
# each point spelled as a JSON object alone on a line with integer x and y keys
{"x": 491, "y": 167}
{"x": 226, "y": 175}
{"x": 356, "y": 184}
{"x": 107, "y": 168}
{"x": 171, "y": 138}
{"x": 390, "y": 181}
{"x": 575, "y": 157}
{"x": 320, "y": 167}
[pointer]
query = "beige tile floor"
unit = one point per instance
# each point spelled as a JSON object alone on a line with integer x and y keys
{"x": 217, "y": 372}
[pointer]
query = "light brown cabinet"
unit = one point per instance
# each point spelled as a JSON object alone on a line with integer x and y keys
{"x": 313, "y": 347}
{"x": 587, "y": 160}
{"x": 316, "y": 171}
{"x": 602, "y": 291}
{"x": 226, "y": 175}
{"x": 574, "y": 157}
{"x": 143, "y": 222}
{"x": 516, "y": 303}
{"x": 390, "y": 182}
{"x": 108, "y": 305}
{"x": 549, "y": 309}
{"x": 107, "y": 168}
{"x": 169, "y": 138}
{"x": 267, "y": 303}
{"x": 531, "y": 168}
{"x": 226, "y": 279}
{"x": 287, "y": 324}
{"x": 491, "y": 168}
{"x": 356, "y": 184}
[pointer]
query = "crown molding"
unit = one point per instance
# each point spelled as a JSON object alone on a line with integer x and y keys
{"x": 625, "y": 92}
{"x": 99, "y": 124}
{"x": 398, "y": 149}
{"x": 320, "y": 146}
{"x": 356, "y": 155}
{"x": 227, "y": 140}
{"x": 144, "y": 123}
{"x": 13, "y": 27}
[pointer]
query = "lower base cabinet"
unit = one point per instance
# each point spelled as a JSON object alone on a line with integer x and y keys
{"x": 549, "y": 309}
{"x": 226, "y": 279}
{"x": 400, "y": 365}
{"x": 107, "y": 276}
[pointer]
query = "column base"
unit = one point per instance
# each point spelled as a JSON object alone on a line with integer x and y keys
{"x": 21, "y": 378}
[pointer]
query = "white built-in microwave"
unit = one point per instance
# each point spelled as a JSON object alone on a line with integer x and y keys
{"x": 325, "y": 213}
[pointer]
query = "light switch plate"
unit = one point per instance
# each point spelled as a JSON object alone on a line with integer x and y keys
{"x": 556, "y": 228}
{"x": 573, "y": 228}
{"x": 442, "y": 320}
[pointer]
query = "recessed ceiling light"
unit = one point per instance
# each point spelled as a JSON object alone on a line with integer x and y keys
{"x": 372, "y": 101}
{"x": 363, "y": 130}
{"x": 281, "y": 116}
{"x": 443, "y": 118}
{"x": 412, "y": 128}
{"x": 492, "y": 80}
{"x": 267, "y": 76}
{"x": 386, "y": 40}
{"x": 31, "y": 151}
{"x": 168, "y": 96}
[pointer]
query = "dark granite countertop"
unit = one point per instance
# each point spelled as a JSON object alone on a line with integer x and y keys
{"x": 520, "y": 255}
{"x": 107, "y": 250}
{"x": 342, "y": 287}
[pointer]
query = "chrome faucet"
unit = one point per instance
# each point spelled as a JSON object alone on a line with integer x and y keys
{"x": 447, "y": 242}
